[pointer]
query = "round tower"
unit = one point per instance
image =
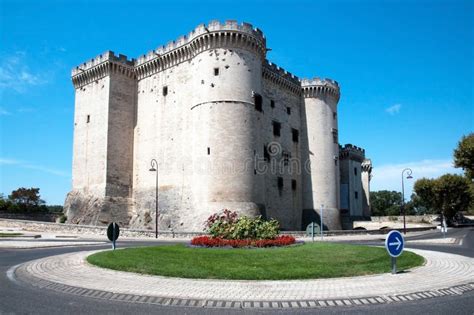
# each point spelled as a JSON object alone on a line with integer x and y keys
{"x": 321, "y": 171}
{"x": 225, "y": 107}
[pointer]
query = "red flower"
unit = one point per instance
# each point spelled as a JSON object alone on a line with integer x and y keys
{"x": 207, "y": 241}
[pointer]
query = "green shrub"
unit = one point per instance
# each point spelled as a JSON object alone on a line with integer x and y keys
{"x": 228, "y": 225}
{"x": 62, "y": 218}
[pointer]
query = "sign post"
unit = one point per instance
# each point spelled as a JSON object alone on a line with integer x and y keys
{"x": 113, "y": 232}
{"x": 394, "y": 243}
{"x": 322, "y": 225}
{"x": 312, "y": 229}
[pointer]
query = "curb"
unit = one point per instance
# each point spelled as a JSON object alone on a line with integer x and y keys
{"x": 18, "y": 273}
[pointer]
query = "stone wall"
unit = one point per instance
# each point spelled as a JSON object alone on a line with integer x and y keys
{"x": 191, "y": 105}
{"x": 397, "y": 222}
{"x": 86, "y": 230}
{"x": 320, "y": 133}
{"x": 45, "y": 217}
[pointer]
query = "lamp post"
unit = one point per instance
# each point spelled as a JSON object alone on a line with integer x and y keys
{"x": 409, "y": 172}
{"x": 154, "y": 168}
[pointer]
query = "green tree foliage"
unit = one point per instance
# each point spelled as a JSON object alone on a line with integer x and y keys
{"x": 447, "y": 194}
{"x": 23, "y": 200}
{"x": 5, "y": 204}
{"x": 464, "y": 155}
{"x": 385, "y": 202}
{"x": 55, "y": 208}
{"x": 417, "y": 206}
{"x": 26, "y": 197}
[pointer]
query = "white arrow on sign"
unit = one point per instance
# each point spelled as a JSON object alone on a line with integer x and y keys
{"x": 398, "y": 243}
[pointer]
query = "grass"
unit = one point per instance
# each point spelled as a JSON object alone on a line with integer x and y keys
{"x": 10, "y": 234}
{"x": 309, "y": 261}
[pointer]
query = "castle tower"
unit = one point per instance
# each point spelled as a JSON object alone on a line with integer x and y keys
{"x": 105, "y": 90}
{"x": 366, "y": 177}
{"x": 321, "y": 169}
{"x": 353, "y": 195}
{"x": 225, "y": 109}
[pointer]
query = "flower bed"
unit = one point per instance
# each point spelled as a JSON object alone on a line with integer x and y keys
{"x": 207, "y": 241}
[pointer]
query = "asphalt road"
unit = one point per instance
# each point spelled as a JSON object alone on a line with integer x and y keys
{"x": 21, "y": 298}
{"x": 465, "y": 235}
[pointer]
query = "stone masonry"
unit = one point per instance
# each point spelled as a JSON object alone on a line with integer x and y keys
{"x": 228, "y": 129}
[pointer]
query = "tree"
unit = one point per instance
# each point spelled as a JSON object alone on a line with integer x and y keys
{"x": 464, "y": 155}
{"x": 453, "y": 194}
{"x": 26, "y": 199}
{"x": 4, "y": 203}
{"x": 385, "y": 202}
{"x": 424, "y": 193}
{"x": 417, "y": 206}
{"x": 447, "y": 194}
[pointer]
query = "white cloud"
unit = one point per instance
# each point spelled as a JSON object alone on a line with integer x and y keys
{"x": 393, "y": 110}
{"x": 4, "y": 112}
{"x": 389, "y": 176}
{"x": 20, "y": 110}
{"x": 26, "y": 110}
{"x": 28, "y": 165}
{"x": 15, "y": 73}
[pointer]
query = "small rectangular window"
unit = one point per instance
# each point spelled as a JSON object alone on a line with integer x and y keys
{"x": 216, "y": 71}
{"x": 272, "y": 103}
{"x": 355, "y": 171}
{"x": 356, "y": 195}
{"x": 266, "y": 154}
{"x": 295, "y": 135}
{"x": 276, "y": 128}
{"x": 334, "y": 135}
{"x": 286, "y": 157}
{"x": 334, "y": 115}
{"x": 258, "y": 102}
{"x": 208, "y": 151}
{"x": 288, "y": 110}
{"x": 165, "y": 90}
{"x": 88, "y": 119}
{"x": 293, "y": 184}
{"x": 280, "y": 182}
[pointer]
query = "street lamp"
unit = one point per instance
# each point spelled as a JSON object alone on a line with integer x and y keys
{"x": 409, "y": 171}
{"x": 154, "y": 168}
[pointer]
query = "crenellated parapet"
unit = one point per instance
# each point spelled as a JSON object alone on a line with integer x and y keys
{"x": 351, "y": 152}
{"x": 316, "y": 87}
{"x": 281, "y": 77}
{"x": 229, "y": 34}
{"x": 366, "y": 166}
{"x": 101, "y": 66}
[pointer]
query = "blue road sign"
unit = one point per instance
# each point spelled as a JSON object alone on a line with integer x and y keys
{"x": 394, "y": 243}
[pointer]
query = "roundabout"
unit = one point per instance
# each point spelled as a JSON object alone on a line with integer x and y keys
{"x": 72, "y": 274}
{"x": 300, "y": 261}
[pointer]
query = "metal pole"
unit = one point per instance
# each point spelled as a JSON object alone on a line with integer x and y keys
{"x": 153, "y": 169}
{"x": 444, "y": 228}
{"x": 113, "y": 236}
{"x": 403, "y": 207}
{"x": 322, "y": 225}
{"x": 312, "y": 231}
{"x": 409, "y": 172}
{"x": 394, "y": 265}
{"x": 156, "y": 203}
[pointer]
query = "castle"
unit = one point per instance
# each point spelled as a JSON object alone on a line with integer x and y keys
{"x": 227, "y": 128}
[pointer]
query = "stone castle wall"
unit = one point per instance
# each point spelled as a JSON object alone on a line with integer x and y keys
{"x": 191, "y": 105}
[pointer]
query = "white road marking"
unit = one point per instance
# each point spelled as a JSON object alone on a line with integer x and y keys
{"x": 11, "y": 274}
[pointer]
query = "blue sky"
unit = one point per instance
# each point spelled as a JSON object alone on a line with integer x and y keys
{"x": 405, "y": 69}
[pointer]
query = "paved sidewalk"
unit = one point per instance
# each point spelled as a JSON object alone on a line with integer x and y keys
{"x": 443, "y": 274}
{"x": 28, "y": 244}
